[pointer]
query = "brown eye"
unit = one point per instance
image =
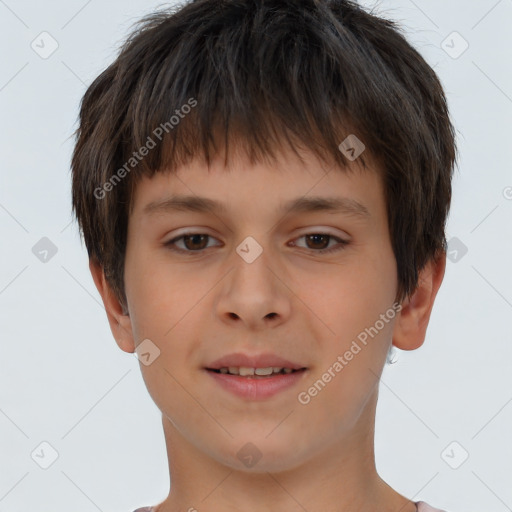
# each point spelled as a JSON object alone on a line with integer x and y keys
{"x": 189, "y": 243}
{"x": 195, "y": 242}
{"x": 318, "y": 241}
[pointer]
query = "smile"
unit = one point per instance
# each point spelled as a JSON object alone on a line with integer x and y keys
{"x": 256, "y": 383}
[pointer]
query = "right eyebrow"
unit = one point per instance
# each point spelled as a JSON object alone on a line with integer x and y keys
{"x": 193, "y": 203}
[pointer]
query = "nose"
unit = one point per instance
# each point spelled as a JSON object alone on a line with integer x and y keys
{"x": 255, "y": 295}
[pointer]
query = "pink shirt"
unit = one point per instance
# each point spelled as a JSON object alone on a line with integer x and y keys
{"x": 421, "y": 505}
{"x": 424, "y": 507}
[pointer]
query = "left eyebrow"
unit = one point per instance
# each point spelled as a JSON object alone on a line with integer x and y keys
{"x": 344, "y": 205}
{"x": 190, "y": 203}
{"x": 184, "y": 203}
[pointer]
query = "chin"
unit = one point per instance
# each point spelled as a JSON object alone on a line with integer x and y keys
{"x": 267, "y": 464}
{"x": 258, "y": 454}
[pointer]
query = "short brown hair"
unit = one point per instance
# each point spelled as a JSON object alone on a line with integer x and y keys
{"x": 265, "y": 73}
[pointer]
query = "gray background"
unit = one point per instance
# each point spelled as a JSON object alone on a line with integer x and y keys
{"x": 64, "y": 381}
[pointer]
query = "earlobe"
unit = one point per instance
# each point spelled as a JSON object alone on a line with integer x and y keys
{"x": 411, "y": 325}
{"x": 120, "y": 323}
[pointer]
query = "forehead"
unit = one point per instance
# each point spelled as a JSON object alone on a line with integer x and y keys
{"x": 289, "y": 184}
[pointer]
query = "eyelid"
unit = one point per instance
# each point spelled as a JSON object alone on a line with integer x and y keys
{"x": 342, "y": 241}
{"x": 179, "y": 236}
{"x": 304, "y": 231}
{"x": 324, "y": 231}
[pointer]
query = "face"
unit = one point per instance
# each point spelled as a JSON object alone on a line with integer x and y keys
{"x": 312, "y": 285}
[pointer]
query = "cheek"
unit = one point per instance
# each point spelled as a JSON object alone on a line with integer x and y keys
{"x": 351, "y": 303}
{"x": 157, "y": 294}
{"x": 351, "y": 296}
{"x": 167, "y": 307}
{"x": 162, "y": 310}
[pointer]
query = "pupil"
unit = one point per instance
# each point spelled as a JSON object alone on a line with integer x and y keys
{"x": 318, "y": 237}
{"x": 195, "y": 241}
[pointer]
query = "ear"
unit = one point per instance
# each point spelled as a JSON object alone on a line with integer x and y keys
{"x": 411, "y": 324}
{"x": 120, "y": 323}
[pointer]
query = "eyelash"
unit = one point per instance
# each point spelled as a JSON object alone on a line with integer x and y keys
{"x": 342, "y": 243}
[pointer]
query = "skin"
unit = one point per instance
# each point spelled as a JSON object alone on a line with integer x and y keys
{"x": 317, "y": 456}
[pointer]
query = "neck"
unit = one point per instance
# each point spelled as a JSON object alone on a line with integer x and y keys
{"x": 343, "y": 478}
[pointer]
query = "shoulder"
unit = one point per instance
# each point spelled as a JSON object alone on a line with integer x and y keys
{"x": 425, "y": 507}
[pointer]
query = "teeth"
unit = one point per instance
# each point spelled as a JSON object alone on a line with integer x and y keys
{"x": 245, "y": 371}
{"x": 263, "y": 371}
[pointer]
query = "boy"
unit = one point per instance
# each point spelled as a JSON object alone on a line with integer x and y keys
{"x": 262, "y": 187}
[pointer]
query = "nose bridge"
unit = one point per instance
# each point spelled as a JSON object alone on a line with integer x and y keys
{"x": 252, "y": 264}
{"x": 253, "y": 291}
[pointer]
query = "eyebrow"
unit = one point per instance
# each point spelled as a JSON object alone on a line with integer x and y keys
{"x": 191, "y": 203}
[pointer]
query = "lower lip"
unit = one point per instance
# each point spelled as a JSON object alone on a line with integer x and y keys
{"x": 254, "y": 388}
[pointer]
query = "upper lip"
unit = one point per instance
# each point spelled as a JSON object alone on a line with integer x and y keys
{"x": 253, "y": 361}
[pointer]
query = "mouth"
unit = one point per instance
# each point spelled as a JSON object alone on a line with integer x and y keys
{"x": 255, "y": 376}
{"x": 256, "y": 384}
{"x": 255, "y": 373}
